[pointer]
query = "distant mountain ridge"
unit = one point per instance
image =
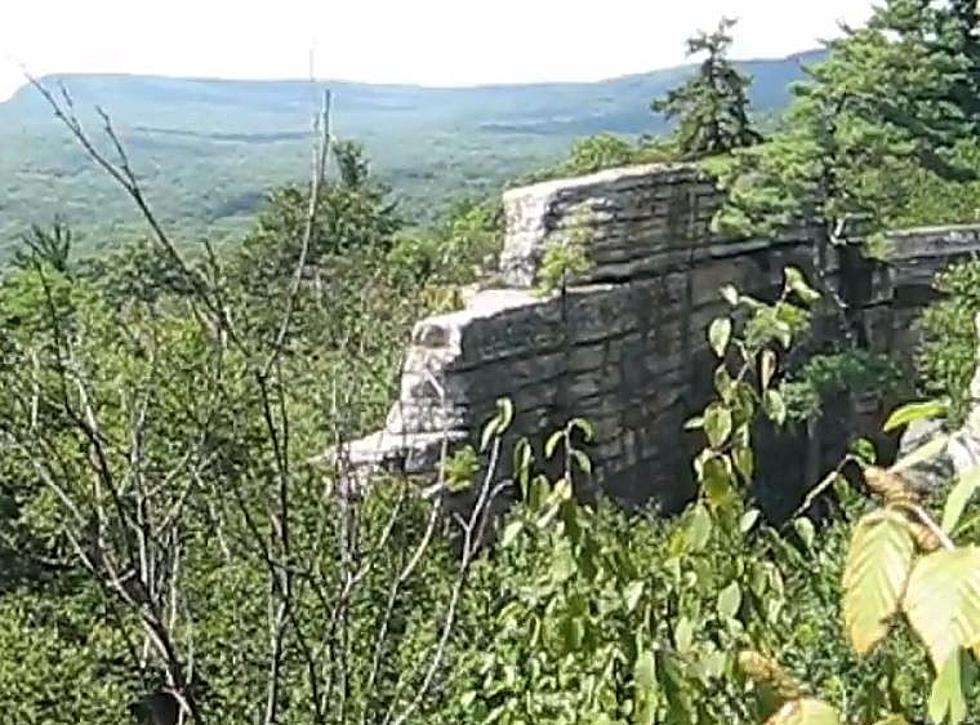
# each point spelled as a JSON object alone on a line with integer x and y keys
{"x": 208, "y": 149}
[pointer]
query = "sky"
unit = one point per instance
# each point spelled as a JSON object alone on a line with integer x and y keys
{"x": 427, "y": 42}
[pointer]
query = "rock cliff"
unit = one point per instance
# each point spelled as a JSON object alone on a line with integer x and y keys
{"x": 625, "y": 345}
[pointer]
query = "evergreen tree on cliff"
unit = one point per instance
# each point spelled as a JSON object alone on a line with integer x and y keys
{"x": 712, "y": 108}
{"x": 895, "y": 101}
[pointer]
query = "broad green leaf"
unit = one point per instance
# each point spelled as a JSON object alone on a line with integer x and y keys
{"x": 719, "y": 333}
{"x": 724, "y": 384}
{"x": 772, "y": 403}
{"x": 563, "y": 565}
{"x": 942, "y": 601}
{"x": 744, "y": 461}
{"x": 925, "y": 452}
{"x": 717, "y": 478}
{"x": 946, "y": 700}
{"x": 795, "y": 282}
{"x": 698, "y": 529}
{"x": 805, "y": 712}
{"x": 892, "y": 720}
{"x": 805, "y": 530}
{"x": 966, "y": 486}
{"x": 729, "y": 601}
{"x": 683, "y": 635}
{"x": 717, "y": 425}
{"x": 511, "y": 530}
{"x": 915, "y": 411}
{"x": 877, "y": 568}
{"x": 730, "y": 294}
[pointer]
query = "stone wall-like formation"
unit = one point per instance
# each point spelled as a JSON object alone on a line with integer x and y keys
{"x": 625, "y": 347}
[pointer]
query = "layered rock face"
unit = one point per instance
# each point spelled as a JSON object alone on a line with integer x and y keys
{"x": 624, "y": 346}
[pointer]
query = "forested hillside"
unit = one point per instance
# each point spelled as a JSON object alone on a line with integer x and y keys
{"x": 209, "y": 150}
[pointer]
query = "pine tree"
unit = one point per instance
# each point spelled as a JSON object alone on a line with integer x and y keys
{"x": 891, "y": 101}
{"x": 712, "y": 108}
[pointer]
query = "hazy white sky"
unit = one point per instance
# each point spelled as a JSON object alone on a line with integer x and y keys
{"x": 433, "y": 42}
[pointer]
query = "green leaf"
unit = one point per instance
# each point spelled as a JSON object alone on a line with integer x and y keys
{"x": 744, "y": 461}
{"x": 767, "y": 368}
{"x": 942, "y": 601}
{"x": 645, "y": 684}
{"x": 878, "y": 563}
{"x": 511, "y": 530}
{"x": 695, "y": 423}
{"x": 505, "y": 412}
{"x": 730, "y": 294}
{"x": 806, "y": 532}
{"x": 717, "y": 424}
{"x": 489, "y": 432}
{"x": 966, "y": 486}
{"x": 698, "y": 529}
{"x": 805, "y": 711}
{"x": 729, "y": 601}
{"x": 864, "y": 450}
{"x": 573, "y": 632}
{"x": 683, "y": 635}
{"x": 946, "y": 697}
{"x": 775, "y": 407}
{"x": 583, "y": 461}
{"x": 795, "y": 282}
{"x": 645, "y": 671}
{"x": 632, "y": 594}
{"x": 915, "y": 411}
{"x": 717, "y": 478}
{"x": 552, "y": 443}
{"x": 588, "y": 432}
{"x": 748, "y": 520}
{"x": 719, "y": 333}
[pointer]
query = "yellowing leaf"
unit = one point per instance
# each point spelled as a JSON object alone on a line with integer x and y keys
{"x": 805, "y": 712}
{"x": 942, "y": 601}
{"x": 878, "y": 564}
{"x": 946, "y": 697}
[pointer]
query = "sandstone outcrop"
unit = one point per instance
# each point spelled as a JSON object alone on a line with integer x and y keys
{"x": 625, "y": 346}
